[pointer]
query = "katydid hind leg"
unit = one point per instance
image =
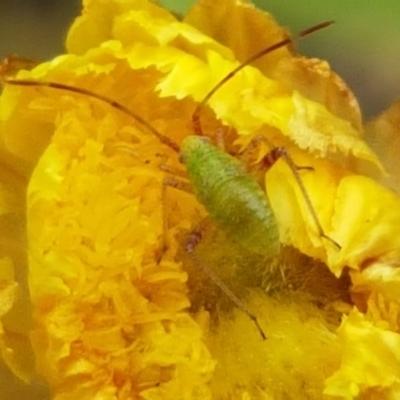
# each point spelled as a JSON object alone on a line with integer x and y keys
{"x": 193, "y": 241}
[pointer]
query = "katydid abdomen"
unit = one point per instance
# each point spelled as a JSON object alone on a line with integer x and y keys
{"x": 231, "y": 196}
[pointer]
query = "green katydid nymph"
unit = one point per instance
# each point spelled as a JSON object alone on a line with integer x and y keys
{"x": 231, "y": 196}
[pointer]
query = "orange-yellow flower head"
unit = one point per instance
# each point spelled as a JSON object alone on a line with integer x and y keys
{"x": 119, "y": 308}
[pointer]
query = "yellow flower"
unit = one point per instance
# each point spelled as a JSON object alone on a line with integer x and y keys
{"x": 120, "y": 310}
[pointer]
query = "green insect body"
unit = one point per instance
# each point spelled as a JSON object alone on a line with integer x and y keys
{"x": 231, "y": 196}
{"x": 220, "y": 182}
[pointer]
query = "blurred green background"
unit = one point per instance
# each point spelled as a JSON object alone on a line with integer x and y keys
{"x": 363, "y": 45}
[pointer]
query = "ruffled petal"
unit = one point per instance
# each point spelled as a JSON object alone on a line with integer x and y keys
{"x": 107, "y": 260}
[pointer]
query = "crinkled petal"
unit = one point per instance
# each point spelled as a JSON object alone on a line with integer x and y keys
{"x": 383, "y": 135}
{"x": 366, "y": 223}
{"x": 370, "y": 362}
{"x": 107, "y": 242}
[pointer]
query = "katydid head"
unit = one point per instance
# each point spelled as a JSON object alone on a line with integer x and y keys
{"x": 191, "y": 145}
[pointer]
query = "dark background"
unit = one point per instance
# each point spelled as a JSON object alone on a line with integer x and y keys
{"x": 363, "y": 45}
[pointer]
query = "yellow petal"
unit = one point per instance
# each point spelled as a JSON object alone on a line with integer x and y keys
{"x": 383, "y": 135}
{"x": 366, "y": 223}
{"x": 370, "y": 361}
{"x": 108, "y": 266}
